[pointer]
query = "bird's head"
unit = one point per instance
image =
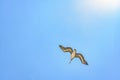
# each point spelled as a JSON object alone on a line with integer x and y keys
{"x": 75, "y": 50}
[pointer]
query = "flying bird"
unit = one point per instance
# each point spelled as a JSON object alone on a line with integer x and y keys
{"x": 73, "y": 54}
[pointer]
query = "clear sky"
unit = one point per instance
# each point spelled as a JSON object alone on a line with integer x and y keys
{"x": 31, "y": 30}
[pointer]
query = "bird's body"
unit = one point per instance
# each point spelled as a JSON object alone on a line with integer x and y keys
{"x": 73, "y": 54}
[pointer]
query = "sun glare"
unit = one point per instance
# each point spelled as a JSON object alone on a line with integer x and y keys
{"x": 100, "y": 6}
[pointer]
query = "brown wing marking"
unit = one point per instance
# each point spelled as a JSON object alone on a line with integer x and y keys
{"x": 66, "y": 49}
{"x": 80, "y": 56}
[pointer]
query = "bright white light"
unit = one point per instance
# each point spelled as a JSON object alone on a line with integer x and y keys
{"x": 101, "y": 6}
{"x": 93, "y": 12}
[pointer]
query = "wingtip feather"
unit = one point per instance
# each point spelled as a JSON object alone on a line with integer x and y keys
{"x": 60, "y": 45}
{"x": 86, "y": 63}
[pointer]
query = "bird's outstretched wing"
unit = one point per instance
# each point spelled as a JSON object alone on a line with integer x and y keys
{"x": 66, "y": 49}
{"x": 80, "y": 56}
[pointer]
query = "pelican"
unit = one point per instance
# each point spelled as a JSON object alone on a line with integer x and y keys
{"x": 73, "y": 54}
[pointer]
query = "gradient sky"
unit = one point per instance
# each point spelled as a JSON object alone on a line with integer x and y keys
{"x": 31, "y": 30}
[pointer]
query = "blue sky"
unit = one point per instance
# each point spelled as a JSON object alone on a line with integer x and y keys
{"x": 31, "y": 31}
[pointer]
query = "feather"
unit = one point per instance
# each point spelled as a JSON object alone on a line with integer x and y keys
{"x": 80, "y": 56}
{"x": 73, "y": 54}
{"x": 66, "y": 49}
